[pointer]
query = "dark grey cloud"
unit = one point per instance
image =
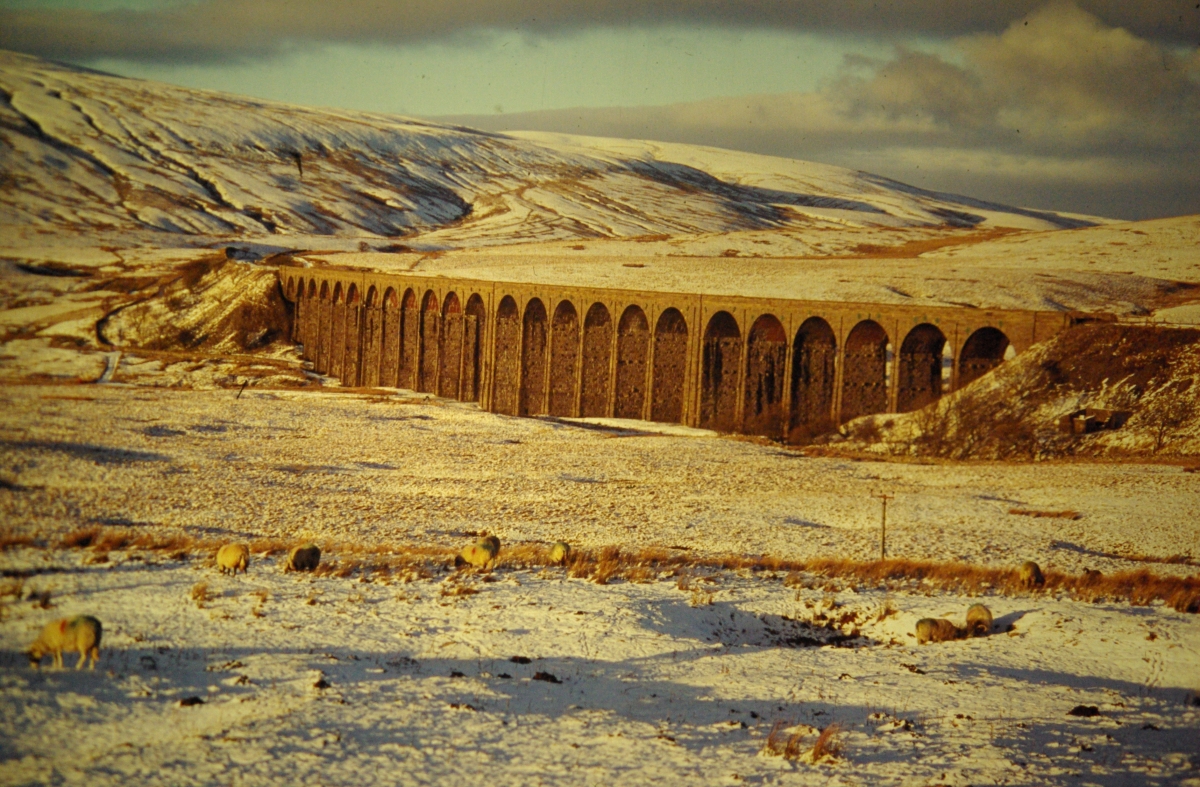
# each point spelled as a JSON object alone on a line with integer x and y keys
{"x": 210, "y": 30}
{"x": 1059, "y": 111}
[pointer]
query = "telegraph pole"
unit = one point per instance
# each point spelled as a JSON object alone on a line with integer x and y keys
{"x": 883, "y": 527}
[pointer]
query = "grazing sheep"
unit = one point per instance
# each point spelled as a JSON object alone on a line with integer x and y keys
{"x": 979, "y": 621}
{"x": 479, "y": 554}
{"x": 937, "y": 630}
{"x": 1031, "y": 575}
{"x": 559, "y": 552}
{"x": 305, "y": 557}
{"x": 231, "y": 557}
{"x": 81, "y": 633}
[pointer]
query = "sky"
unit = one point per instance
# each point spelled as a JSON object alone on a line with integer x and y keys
{"x": 1086, "y": 106}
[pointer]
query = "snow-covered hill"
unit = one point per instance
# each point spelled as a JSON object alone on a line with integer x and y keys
{"x": 108, "y": 157}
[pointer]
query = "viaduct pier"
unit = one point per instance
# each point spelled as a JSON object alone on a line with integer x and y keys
{"x": 780, "y": 368}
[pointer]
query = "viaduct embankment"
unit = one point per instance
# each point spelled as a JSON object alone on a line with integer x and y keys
{"x": 781, "y": 368}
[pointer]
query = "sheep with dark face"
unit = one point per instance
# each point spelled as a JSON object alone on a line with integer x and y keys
{"x": 480, "y": 554}
{"x": 305, "y": 557}
{"x": 937, "y": 630}
{"x": 1031, "y": 575}
{"x": 81, "y": 633}
{"x": 232, "y": 557}
{"x": 979, "y": 621}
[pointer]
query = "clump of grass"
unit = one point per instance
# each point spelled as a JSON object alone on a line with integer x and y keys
{"x": 828, "y": 745}
{"x": 781, "y": 743}
{"x": 13, "y": 587}
{"x": 8, "y": 540}
{"x": 1068, "y": 514}
{"x": 80, "y": 538}
{"x": 200, "y": 594}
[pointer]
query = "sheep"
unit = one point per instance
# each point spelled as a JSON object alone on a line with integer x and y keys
{"x": 559, "y": 552}
{"x": 937, "y": 630}
{"x": 305, "y": 557}
{"x": 80, "y": 633}
{"x": 231, "y": 557}
{"x": 1031, "y": 575}
{"x": 479, "y": 554}
{"x": 979, "y": 621}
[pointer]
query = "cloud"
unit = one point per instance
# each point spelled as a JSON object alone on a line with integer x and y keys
{"x": 1057, "y": 111}
{"x": 209, "y": 30}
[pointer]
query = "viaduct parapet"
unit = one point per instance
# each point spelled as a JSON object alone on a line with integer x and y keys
{"x": 781, "y": 368}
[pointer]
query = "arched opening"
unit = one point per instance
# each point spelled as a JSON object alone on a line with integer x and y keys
{"x": 920, "y": 368}
{"x": 864, "y": 390}
{"x": 427, "y": 366}
{"x": 298, "y": 317}
{"x": 389, "y": 361}
{"x": 508, "y": 357}
{"x": 337, "y": 333}
{"x": 296, "y": 296}
{"x": 984, "y": 350}
{"x": 766, "y": 354}
{"x": 670, "y": 365}
{"x": 472, "y": 349}
{"x": 410, "y": 341}
{"x": 533, "y": 359}
{"x": 814, "y": 369}
{"x": 372, "y": 345}
{"x": 450, "y": 347}
{"x": 597, "y": 350}
{"x": 308, "y": 321}
{"x": 324, "y": 316}
{"x": 633, "y": 350}
{"x": 564, "y": 349}
{"x": 719, "y": 376}
{"x": 352, "y": 346}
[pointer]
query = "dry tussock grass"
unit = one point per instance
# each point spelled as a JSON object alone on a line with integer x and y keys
{"x": 411, "y": 562}
{"x": 1072, "y": 515}
{"x": 9, "y": 540}
{"x": 781, "y": 743}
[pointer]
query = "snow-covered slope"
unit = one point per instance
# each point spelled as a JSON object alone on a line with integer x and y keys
{"x": 90, "y": 153}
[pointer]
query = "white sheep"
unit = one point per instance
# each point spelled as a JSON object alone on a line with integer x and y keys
{"x": 81, "y": 633}
{"x": 231, "y": 557}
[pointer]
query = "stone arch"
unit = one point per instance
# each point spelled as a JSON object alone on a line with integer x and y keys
{"x": 392, "y": 339}
{"x": 719, "y": 376}
{"x": 633, "y": 351}
{"x": 533, "y": 358}
{"x": 670, "y": 366}
{"x": 372, "y": 342}
{"x": 337, "y": 334}
{"x": 410, "y": 341}
{"x": 324, "y": 317}
{"x": 864, "y": 371}
{"x": 473, "y": 322}
{"x": 508, "y": 357}
{"x": 450, "y": 347}
{"x": 430, "y": 330}
{"x": 597, "y": 351}
{"x": 352, "y": 342}
{"x": 766, "y": 354}
{"x": 564, "y": 351}
{"x": 289, "y": 289}
{"x": 920, "y": 368}
{"x": 298, "y": 315}
{"x": 814, "y": 373}
{"x": 983, "y": 351}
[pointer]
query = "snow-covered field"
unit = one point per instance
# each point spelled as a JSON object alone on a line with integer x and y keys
{"x": 656, "y": 683}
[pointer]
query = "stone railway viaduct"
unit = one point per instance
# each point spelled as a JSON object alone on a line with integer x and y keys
{"x": 780, "y": 368}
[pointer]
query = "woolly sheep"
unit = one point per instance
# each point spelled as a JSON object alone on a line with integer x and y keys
{"x": 559, "y": 552}
{"x": 1031, "y": 575}
{"x": 81, "y": 633}
{"x": 305, "y": 557}
{"x": 936, "y": 630}
{"x": 979, "y": 621}
{"x": 479, "y": 554}
{"x": 231, "y": 557}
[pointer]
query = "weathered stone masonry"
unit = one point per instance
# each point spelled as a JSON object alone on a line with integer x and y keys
{"x": 775, "y": 367}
